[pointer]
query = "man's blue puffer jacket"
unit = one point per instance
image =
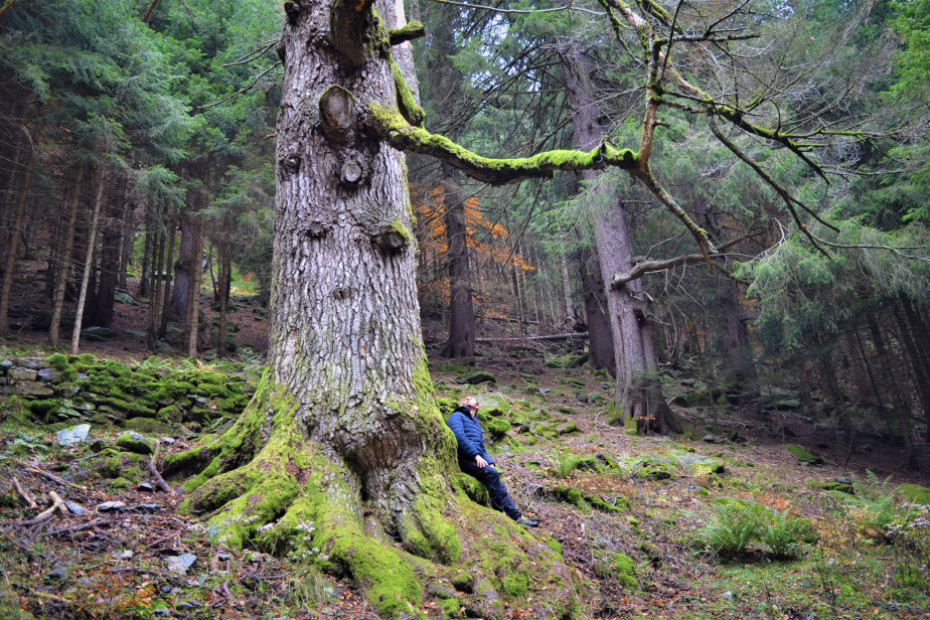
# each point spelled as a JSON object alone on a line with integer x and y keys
{"x": 469, "y": 435}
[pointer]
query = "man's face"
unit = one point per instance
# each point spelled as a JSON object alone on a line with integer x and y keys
{"x": 472, "y": 404}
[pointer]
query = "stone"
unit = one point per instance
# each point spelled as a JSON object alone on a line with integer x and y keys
{"x": 166, "y": 589}
{"x": 75, "y": 508}
{"x": 22, "y": 374}
{"x": 48, "y": 374}
{"x": 189, "y": 605}
{"x": 440, "y": 591}
{"x": 180, "y": 563}
{"x": 161, "y": 611}
{"x": 111, "y": 507}
{"x": 75, "y": 434}
{"x": 33, "y": 389}
{"x": 59, "y": 574}
{"x": 708, "y": 438}
{"x": 131, "y": 441}
{"x": 145, "y": 487}
{"x": 123, "y": 555}
{"x": 123, "y": 297}
{"x": 149, "y": 508}
{"x": 137, "y": 334}
{"x": 98, "y": 334}
{"x": 168, "y": 441}
{"x": 223, "y": 557}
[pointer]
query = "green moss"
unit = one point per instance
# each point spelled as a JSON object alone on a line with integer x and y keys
{"x": 119, "y": 485}
{"x": 42, "y": 408}
{"x": 133, "y": 442}
{"x": 914, "y": 493}
{"x": 406, "y": 102}
{"x": 497, "y": 428}
{"x": 450, "y": 608}
{"x": 803, "y": 455}
{"x": 463, "y": 582}
{"x": 554, "y": 544}
{"x": 407, "y": 137}
{"x": 625, "y": 571}
{"x": 471, "y": 488}
{"x": 515, "y": 585}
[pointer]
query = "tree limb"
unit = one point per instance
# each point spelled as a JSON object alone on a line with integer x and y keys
{"x": 394, "y": 128}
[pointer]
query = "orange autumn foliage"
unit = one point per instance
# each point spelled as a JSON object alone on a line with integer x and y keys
{"x": 486, "y": 239}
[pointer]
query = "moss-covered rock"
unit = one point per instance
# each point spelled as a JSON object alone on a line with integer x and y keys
{"x": 477, "y": 378}
{"x": 134, "y": 442}
{"x": 497, "y": 428}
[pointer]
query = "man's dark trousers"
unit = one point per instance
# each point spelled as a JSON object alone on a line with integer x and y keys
{"x": 491, "y": 478}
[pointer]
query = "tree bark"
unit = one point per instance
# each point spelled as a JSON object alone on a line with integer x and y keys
{"x": 172, "y": 232}
{"x": 177, "y": 310}
{"x": 88, "y": 263}
{"x": 600, "y": 340}
{"x": 13, "y": 249}
{"x": 343, "y": 444}
{"x": 637, "y": 392}
{"x": 64, "y": 262}
{"x": 461, "y": 341}
{"x": 110, "y": 235}
{"x": 193, "y": 293}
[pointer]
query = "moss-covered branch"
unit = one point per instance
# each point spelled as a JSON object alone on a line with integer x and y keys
{"x": 412, "y": 30}
{"x": 394, "y": 128}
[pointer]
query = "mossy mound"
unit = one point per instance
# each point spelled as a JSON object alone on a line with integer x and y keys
{"x": 477, "y": 378}
{"x": 808, "y": 458}
{"x": 586, "y": 501}
{"x": 914, "y": 493}
{"x": 134, "y": 442}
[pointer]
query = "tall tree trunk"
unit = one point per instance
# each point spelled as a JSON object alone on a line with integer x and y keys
{"x": 461, "y": 341}
{"x": 193, "y": 293}
{"x": 600, "y": 340}
{"x": 182, "y": 268}
{"x": 225, "y": 279}
{"x": 88, "y": 263}
{"x": 13, "y": 249}
{"x": 158, "y": 278}
{"x": 344, "y": 432}
{"x": 172, "y": 232}
{"x": 127, "y": 227}
{"x": 64, "y": 262}
{"x": 110, "y": 235}
{"x": 637, "y": 392}
{"x": 145, "y": 282}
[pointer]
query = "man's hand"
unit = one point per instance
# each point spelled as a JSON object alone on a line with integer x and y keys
{"x": 480, "y": 462}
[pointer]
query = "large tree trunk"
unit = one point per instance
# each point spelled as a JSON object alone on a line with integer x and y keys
{"x": 461, "y": 341}
{"x": 88, "y": 263}
{"x": 64, "y": 262}
{"x": 177, "y": 309}
{"x": 637, "y": 392}
{"x": 110, "y": 236}
{"x": 600, "y": 340}
{"x": 343, "y": 444}
{"x": 13, "y": 249}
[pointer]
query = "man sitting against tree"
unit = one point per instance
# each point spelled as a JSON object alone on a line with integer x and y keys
{"x": 476, "y": 462}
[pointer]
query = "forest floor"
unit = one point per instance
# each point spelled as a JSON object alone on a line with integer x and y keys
{"x": 637, "y": 517}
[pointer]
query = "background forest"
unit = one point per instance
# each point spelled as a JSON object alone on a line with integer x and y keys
{"x": 768, "y": 272}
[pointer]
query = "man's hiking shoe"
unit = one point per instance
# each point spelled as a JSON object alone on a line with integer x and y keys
{"x": 528, "y": 522}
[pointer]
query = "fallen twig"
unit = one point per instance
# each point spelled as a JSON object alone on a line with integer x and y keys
{"x": 77, "y": 528}
{"x": 45, "y": 515}
{"x": 133, "y": 569}
{"x": 32, "y": 503}
{"x": 164, "y": 486}
{"x": 47, "y": 474}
